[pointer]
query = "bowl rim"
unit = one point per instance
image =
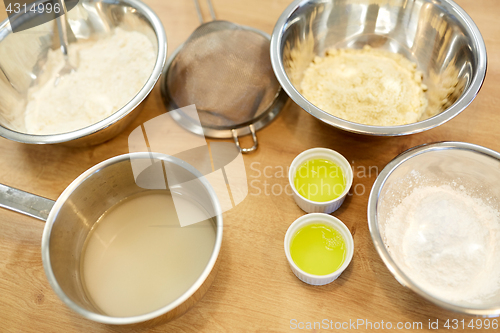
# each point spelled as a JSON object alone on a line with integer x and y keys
{"x": 376, "y": 237}
{"x": 479, "y": 49}
{"x": 161, "y": 57}
{"x": 105, "y": 319}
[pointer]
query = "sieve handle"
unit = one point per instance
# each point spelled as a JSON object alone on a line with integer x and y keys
{"x": 210, "y": 7}
{"x": 25, "y": 203}
{"x": 254, "y": 137}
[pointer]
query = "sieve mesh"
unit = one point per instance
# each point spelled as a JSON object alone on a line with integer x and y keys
{"x": 225, "y": 70}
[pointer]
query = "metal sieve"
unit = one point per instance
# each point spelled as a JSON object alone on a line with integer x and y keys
{"x": 225, "y": 70}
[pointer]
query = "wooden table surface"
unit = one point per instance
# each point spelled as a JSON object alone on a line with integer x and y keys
{"x": 254, "y": 291}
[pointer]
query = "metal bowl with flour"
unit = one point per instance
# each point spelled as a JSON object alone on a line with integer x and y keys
{"x": 438, "y": 36}
{"x": 89, "y": 19}
{"x": 458, "y": 166}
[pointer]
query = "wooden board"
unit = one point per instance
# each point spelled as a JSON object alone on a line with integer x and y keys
{"x": 255, "y": 290}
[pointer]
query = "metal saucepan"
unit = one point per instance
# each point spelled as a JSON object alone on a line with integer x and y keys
{"x": 70, "y": 219}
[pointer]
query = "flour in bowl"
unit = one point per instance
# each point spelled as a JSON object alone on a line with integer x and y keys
{"x": 368, "y": 86}
{"x": 447, "y": 242}
{"x": 109, "y": 73}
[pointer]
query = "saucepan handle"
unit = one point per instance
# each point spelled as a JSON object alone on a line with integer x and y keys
{"x": 25, "y": 203}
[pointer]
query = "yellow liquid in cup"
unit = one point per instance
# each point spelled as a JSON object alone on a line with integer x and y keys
{"x": 319, "y": 180}
{"x": 138, "y": 259}
{"x": 318, "y": 249}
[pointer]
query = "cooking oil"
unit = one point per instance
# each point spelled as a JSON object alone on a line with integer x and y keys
{"x": 318, "y": 249}
{"x": 319, "y": 180}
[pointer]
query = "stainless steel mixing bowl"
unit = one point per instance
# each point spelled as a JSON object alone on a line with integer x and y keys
{"x": 474, "y": 167}
{"x": 438, "y": 35}
{"x": 88, "y": 19}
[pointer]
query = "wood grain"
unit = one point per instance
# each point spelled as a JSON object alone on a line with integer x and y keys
{"x": 254, "y": 291}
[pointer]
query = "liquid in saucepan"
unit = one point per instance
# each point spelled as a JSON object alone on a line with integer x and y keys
{"x": 137, "y": 258}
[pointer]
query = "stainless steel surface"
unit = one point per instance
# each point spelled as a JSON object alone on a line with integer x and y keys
{"x": 25, "y": 203}
{"x": 211, "y": 70}
{"x": 86, "y": 199}
{"x": 438, "y": 35}
{"x": 63, "y": 39}
{"x": 89, "y": 19}
{"x": 438, "y": 163}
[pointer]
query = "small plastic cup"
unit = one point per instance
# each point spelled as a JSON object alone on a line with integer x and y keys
{"x": 310, "y": 206}
{"x": 318, "y": 280}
